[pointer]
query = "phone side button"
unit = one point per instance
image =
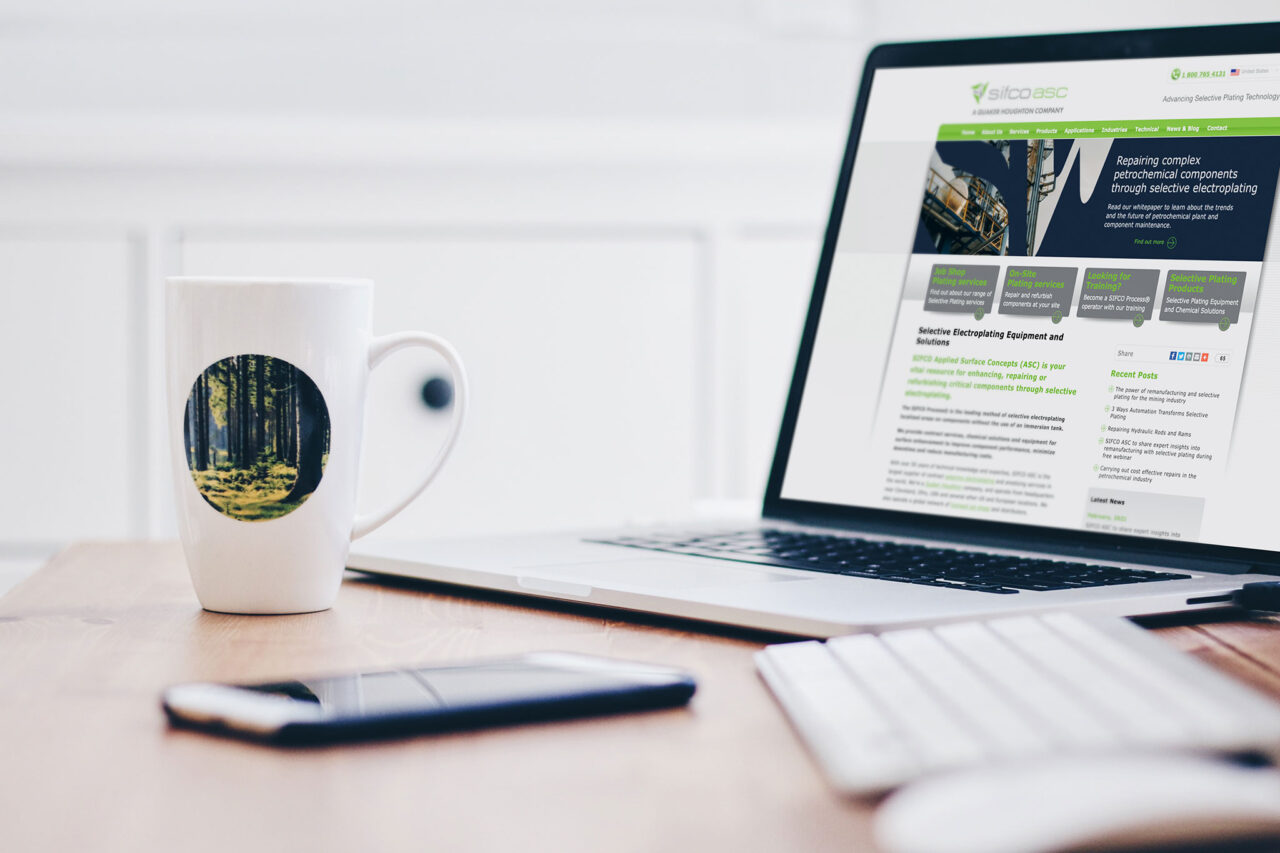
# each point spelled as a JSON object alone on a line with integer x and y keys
{"x": 554, "y": 587}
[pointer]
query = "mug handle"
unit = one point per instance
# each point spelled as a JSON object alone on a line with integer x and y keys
{"x": 379, "y": 349}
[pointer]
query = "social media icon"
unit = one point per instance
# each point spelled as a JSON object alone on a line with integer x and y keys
{"x": 1182, "y": 356}
{"x": 1173, "y": 356}
{"x": 1195, "y": 356}
{"x": 1204, "y": 356}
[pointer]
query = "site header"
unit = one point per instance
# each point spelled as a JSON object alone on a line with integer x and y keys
{"x": 909, "y": 103}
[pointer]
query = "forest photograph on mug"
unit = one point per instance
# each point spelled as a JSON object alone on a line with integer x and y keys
{"x": 256, "y": 436}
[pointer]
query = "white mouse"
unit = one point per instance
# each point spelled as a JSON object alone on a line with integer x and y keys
{"x": 1094, "y": 802}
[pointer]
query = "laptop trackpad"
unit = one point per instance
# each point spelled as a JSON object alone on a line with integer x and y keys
{"x": 653, "y": 572}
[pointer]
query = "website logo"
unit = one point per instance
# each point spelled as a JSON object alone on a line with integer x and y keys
{"x": 986, "y": 92}
{"x": 1175, "y": 73}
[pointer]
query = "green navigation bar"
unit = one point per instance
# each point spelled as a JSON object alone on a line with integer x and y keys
{"x": 1112, "y": 129}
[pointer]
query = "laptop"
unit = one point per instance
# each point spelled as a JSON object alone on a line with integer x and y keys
{"x": 1037, "y": 371}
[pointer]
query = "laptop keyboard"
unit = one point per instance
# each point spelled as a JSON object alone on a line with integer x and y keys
{"x": 999, "y": 574}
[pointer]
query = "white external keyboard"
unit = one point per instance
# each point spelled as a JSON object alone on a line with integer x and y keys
{"x": 881, "y": 709}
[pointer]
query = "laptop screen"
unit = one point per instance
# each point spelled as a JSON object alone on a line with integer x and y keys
{"x": 1054, "y": 300}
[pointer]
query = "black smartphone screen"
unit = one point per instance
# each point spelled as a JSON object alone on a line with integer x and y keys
{"x": 492, "y": 692}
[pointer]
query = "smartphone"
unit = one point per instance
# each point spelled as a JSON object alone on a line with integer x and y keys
{"x": 396, "y": 702}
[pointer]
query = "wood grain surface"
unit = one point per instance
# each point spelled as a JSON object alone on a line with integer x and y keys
{"x": 89, "y": 641}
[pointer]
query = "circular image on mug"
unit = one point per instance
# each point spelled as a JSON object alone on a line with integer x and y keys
{"x": 256, "y": 436}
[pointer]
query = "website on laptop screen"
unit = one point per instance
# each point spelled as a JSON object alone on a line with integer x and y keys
{"x": 1054, "y": 301}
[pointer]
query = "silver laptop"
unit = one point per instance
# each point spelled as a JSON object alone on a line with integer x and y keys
{"x": 1037, "y": 371}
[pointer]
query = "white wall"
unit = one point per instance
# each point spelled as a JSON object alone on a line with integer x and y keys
{"x": 657, "y": 170}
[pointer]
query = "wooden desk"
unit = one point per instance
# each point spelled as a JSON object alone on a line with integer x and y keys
{"x": 87, "y": 644}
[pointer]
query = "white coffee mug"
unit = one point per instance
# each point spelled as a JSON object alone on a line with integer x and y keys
{"x": 266, "y": 391}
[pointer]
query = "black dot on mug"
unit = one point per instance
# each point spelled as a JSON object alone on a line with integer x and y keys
{"x": 437, "y": 393}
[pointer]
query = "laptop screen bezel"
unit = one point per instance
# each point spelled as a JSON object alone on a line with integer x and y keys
{"x": 1234, "y": 40}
